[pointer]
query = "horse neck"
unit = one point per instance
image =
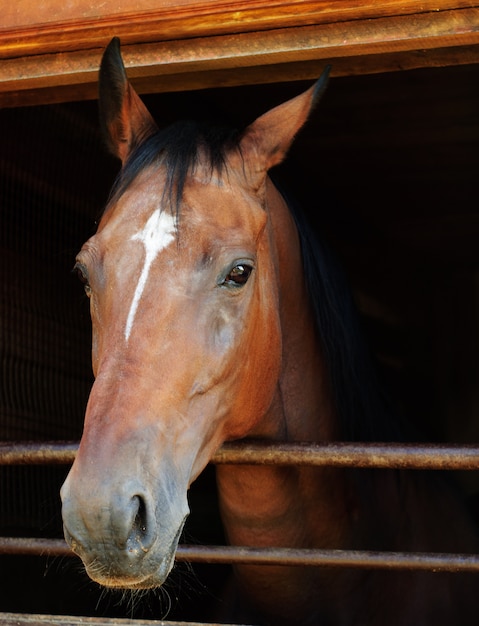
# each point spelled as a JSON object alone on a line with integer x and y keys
{"x": 303, "y": 409}
{"x": 254, "y": 499}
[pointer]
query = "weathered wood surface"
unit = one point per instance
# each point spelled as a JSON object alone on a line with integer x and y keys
{"x": 50, "y": 50}
{"x": 38, "y": 27}
{"x": 14, "y": 619}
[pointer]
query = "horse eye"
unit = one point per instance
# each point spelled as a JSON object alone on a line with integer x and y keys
{"x": 81, "y": 272}
{"x": 239, "y": 275}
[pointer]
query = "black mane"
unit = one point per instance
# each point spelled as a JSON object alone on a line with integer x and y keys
{"x": 177, "y": 148}
{"x": 362, "y": 410}
{"x": 365, "y": 411}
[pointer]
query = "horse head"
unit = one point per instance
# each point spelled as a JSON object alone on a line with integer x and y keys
{"x": 182, "y": 279}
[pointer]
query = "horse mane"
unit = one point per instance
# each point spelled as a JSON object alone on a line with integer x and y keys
{"x": 362, "y": 407}
{"x": 177, "y": 147}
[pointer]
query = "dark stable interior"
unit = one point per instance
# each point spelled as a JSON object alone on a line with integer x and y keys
{"x": 386, "y": 171}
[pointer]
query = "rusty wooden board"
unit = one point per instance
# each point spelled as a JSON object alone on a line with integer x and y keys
{"x": 238, "y": 55}
{"x": 14, "y": 619}
{"x": 51, "y": 26}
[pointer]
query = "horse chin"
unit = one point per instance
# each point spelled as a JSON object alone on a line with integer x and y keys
{"x": 155, "y": 567}
{"x": 134, "y": 583}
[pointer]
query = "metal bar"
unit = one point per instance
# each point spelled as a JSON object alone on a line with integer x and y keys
{"x": 437, "y": 562}
{"x": 330, "y": 558}
{"x": 28, "y": 546}
{"x": 364, "y": 455}
{"x": 38, "y": 453}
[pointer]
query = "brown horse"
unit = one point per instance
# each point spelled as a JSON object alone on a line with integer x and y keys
{"x": 216, "y": 316}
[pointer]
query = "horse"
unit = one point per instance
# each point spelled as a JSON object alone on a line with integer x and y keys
{"x": 217, "y": 316}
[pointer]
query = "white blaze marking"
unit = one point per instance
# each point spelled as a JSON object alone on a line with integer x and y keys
{"x": 156, "y": 235}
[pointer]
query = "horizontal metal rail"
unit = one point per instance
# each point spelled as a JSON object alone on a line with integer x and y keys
{"x": 437, "y": 562}
{"x": 364, "y": 455}
{"x": 38, "y": 453}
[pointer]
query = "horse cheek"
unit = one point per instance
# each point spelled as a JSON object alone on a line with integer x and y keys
{"x": 266, "y": 365}
{"x": 260, "y": 373}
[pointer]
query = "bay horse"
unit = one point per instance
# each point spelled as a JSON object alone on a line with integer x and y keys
{"x": 217, "y": 316}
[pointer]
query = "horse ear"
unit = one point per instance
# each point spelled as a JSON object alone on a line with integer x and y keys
{"x": 124, "y": 119}
{"x": 271, "y": 135}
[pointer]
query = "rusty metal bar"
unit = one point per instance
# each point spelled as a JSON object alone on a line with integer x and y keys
{"x": 365, "y": 455}
{"x": 27, "y": 546}
{"x": 330, "y": 558}
{"x": 336, "y": 454}
{"x": 437, "y": 562}
{"x": 38, "y": 453}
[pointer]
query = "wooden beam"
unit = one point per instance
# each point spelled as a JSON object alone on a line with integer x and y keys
{"x": 356, "y": 47}
{"x": 52, "y": 26}
{"x": 18, "y": 619}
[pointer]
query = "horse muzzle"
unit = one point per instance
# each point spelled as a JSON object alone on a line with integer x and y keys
{"x": 125, "y": 537}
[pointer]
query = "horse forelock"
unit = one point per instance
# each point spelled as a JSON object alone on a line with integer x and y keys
{"x": 178, "y": 149}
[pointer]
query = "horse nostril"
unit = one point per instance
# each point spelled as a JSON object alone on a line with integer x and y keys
{"x": 140, "y": 532}
{"x": 139, "y": 522}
